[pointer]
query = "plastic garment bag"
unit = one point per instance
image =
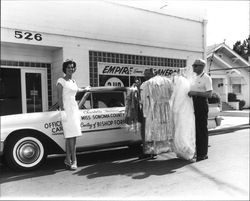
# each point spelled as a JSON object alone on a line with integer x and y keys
{"x": 183, "y": 118}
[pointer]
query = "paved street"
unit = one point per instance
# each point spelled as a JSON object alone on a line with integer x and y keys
{"x": 118, "y": 174}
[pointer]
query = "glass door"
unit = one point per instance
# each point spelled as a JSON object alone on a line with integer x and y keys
{"x": 34, "y": 90}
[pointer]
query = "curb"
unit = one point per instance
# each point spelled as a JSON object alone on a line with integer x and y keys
{"x": 228, "y": 129}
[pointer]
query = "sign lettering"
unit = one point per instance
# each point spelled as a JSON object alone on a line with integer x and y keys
{"x": 115, "y": 74}
{"x": 132, "y": 70}
{"x": 95, "y": 120}
{"x": 28, "y": 35}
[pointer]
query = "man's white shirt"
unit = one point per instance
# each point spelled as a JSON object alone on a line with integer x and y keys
{"x": 202, "y": 83}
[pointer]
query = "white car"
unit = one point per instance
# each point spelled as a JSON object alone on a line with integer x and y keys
{"x": 26, "y": 139}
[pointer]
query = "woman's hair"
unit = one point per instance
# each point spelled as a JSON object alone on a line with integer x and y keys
{"x": 66, "y": 63}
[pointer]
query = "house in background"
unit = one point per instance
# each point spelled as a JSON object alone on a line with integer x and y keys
{"x": 230, "y": 73}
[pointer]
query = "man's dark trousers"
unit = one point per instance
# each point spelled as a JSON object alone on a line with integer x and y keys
{"x": 201, "y": 117}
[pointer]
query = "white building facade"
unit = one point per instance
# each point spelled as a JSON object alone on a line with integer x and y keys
{"x": 109, "y": 42}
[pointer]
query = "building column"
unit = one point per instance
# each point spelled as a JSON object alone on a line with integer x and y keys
{"x": 225, "y": 90}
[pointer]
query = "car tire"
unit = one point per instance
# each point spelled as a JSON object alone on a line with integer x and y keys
{"x": 137, "y": 148}
{"x": 25, "y": 152}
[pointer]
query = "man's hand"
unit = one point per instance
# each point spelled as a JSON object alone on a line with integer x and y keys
{"x": 206, "y": 94}
{"x": 192, "y": 93}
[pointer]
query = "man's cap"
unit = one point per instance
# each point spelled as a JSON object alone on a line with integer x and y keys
{"x": 199, "y": 62}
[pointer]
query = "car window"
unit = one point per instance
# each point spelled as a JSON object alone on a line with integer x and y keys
{"x": 85, "y": 103}
{"x": 108, "y": 99}
{"x": 79, "y": 96}
{"x": 101, "y": 104}
{"x": 101, "y": 99}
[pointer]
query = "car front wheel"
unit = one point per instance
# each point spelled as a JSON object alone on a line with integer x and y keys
{"x": 25, "y": 153}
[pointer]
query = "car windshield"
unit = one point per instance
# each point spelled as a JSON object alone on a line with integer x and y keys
{"x": 108, "y": 99}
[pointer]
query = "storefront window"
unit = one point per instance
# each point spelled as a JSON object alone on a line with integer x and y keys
{"x": 11, "y": 73}
{"x": 10, "y": 91}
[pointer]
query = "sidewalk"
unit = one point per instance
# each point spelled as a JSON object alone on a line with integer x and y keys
{"x": 233, "y": 119}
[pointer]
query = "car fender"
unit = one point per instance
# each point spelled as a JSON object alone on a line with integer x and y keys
{"x": 45, "y": 123}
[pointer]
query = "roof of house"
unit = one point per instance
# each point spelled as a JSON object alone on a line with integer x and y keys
{"x": 213, "y": 55}
{"x": 222, "y": 46}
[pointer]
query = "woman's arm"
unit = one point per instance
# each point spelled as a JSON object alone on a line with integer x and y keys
{"x": 59, "y": 96}
{"x": 83, "y": 89}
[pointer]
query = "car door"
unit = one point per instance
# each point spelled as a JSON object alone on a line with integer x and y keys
{"x": 102, "y": 120}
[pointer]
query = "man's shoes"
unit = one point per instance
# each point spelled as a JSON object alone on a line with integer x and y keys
{"x": 201, "y": 158}
{"x": 192, "y": 160}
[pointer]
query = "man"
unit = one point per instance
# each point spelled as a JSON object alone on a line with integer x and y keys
{"x": 201, "y": 90}
{"x": 148, "y": 73}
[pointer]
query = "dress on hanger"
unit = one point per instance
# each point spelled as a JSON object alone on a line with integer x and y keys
{"x": 132, "y": 109}
{"x": 155, "y": 96}
{"x": 183, "y": 118}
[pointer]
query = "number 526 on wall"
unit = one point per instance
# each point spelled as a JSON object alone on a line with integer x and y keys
{"x": 28, "y": 35}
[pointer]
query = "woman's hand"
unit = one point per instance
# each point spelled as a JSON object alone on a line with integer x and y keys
{"x": 87, "y": 87}
{"x": 84, "y": 89}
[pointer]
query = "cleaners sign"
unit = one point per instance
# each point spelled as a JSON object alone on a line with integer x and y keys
{"x": 113, "y": 74}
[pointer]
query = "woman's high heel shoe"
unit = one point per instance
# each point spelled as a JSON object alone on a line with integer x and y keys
{"x": 68, "y": 164}
{"x": 74, "y": 165}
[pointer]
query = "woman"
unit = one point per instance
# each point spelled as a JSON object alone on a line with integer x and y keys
{"x": 67, "y": 89}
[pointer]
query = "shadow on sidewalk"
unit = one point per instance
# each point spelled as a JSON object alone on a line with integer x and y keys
{"x": 136, "y": 169}
{"x": 98, "y": 164}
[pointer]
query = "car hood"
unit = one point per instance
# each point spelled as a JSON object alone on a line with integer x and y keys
{"x": 28, "y": 118}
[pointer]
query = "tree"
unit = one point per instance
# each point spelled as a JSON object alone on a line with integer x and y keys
{"x": 243, "y": 49}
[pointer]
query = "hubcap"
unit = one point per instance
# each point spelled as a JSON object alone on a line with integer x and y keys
{"x": 28, "y": 152}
